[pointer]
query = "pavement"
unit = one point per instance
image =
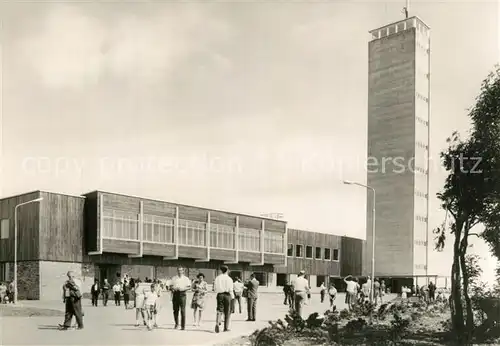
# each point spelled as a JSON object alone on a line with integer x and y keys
{"x": 113, "y": 325}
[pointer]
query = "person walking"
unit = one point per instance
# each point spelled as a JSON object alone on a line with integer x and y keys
{"x": 180, "y": 285}
{"x": 301, "y": 290}
{"x": 94, "y": 292}
{"x": 332, "y": 293}
{"x": 105, "y": 292}
{"x": 126, "y": 294}
{"x": 200, "y": 289}
{"x": 382, "y": 290}
{"x": 351, "y": 291}
{"x": 223, "y": 287}
{"x": 432, "y": 292}
{"x": 238, "y": 292}
{"x": 139, "y": 296}
{"x": 117, "y": 290}
{"x": 158, "y": 305}
{"x": 376, "y": 291}
{"x": 322, "y": 291}
{"x": 150, "y": 298}
{"x": 72, "y": 298}
{"x": 252, "y": 288}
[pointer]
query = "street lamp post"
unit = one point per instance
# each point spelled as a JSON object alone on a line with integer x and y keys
{"x": 347, "y": 182}
{"x": 15, "y": 242}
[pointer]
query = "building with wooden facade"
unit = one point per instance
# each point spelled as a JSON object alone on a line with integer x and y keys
{"x": 106, "y": 235}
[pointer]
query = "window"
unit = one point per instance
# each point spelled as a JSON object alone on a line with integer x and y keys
{"x": 158, "y": 229}
{"x": 262, "y": 278}
{"x": 4, "y": 272}
{"x": 298, "y": 251}
{"x": 327, "y": 254}
{"x": 309, "y": 251}
{"x": 317, "y": 253}
{"x": 4, "y": 229}
{"x": 281, "y": 279}
{"x": 274, "y": 242}
{"x": 222, "y": 236}
{"x": 421, "y": 242}
{"x": 320, "y": 279}
{"x": 192, "y": 233}
{"x": 421, "y": 218}
{"x": 289, "y": 252}
{"x": 249, "y": 240}
{"x": 420, "y": 266}
{"x": 120, "y": 225}
{"x": 335, "y": 254}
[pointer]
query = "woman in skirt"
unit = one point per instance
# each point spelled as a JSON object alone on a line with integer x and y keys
{"x": 198, "y": 303}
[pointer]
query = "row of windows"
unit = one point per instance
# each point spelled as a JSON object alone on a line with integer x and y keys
{"x": 422, "y": 121}
{"x": 421, "y": 194}
{"x": 420, "y": 266}
{"x": 421, "y": 218}
{"x": 422, "y": 145}
{"x": 319, "y": 253}
{"x": 158, "y": 229}
{"x": 422, "y": 97}
{"x": 421, "y": 242}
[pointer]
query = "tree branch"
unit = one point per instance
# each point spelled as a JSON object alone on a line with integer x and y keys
{"x": 477, "y": 235}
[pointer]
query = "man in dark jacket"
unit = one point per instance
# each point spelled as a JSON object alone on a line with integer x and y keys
{"x": 288, "y": 290}
{"x": 94, "y": 292}
{"x": 105, "y": 292}
{"x": 72, "y": 298}
{"x": 252, "y": 286}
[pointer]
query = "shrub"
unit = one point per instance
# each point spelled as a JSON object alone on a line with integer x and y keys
{"x": 399, "y": 327}
{"x": 345, "y": 314}
{"x": 355, "y": 325}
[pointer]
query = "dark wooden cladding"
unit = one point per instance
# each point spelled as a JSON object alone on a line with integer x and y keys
{"x": 192, "y": 252}
{"x": 154, "y": 249}
{"x": 159, "y": 208}
{"x": 121, "y": 246}
{"x": 351, "y": 255}
{"x": 193, "y": 214}
{"x": 61, "y": 227}
{"x": 274, "y": 226}
{"x": 91, "y": 223}
{"x": 251, "y": 257}
{"x": 274, "y": 259}
{"x": 121, "y": 203}
{"x": 220, "y": 218}
{"x": 28, "y": 228}
{"x": 222, "y": 255}
{"x": 250, "y": 222}
{"x": 312, "y": 266}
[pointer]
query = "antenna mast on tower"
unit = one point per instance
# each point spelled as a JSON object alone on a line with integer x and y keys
{"x": 406, "y": 9}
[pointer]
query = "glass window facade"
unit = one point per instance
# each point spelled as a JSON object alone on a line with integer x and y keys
{"x": 158, "y": 229}
{"x": 120, "y": 225}
{"x": 249, "y": 240}
{"x": 274, "y": 242}
{"x": 192, "y": 233}
{"x": 222, "y": 236}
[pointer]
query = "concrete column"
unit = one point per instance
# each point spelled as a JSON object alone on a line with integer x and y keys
{"x": 271, "y": 280}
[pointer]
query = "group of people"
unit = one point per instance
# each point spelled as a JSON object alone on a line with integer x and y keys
{"x": 147, "y": 303}
{"x": 6, "y": 292}
{"x": 426, "y": 293}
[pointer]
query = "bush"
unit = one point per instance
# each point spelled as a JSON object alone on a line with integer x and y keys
{"x": 399, "y": 327}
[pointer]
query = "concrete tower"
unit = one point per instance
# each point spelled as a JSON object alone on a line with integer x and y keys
{"x": 398, "y": 148}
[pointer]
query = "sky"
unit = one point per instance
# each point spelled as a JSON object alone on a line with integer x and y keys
{"x": 252, "y": 107}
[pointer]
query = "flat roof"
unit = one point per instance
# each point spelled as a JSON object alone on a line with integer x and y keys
{"x": 400, "y": 21}
{"x": 44, "y": 191}
{"x": 185, "y": 205}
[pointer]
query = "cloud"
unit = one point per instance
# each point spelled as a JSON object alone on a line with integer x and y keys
{"x": 75, "y": 49}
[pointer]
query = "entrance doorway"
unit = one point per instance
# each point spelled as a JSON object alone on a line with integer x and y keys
{"x": 112, "y": 272}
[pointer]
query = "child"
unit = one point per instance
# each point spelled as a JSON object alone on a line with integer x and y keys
{"x": 150, "y": 298}
{"x": 139, "y": 303}
{"x": 157, "y": 291}
{"x": 332, "y": 292}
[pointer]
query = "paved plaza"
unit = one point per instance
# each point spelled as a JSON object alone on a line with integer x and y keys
{"x": 114, "y": 325}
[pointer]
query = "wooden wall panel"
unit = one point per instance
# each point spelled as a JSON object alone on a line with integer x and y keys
{"x": 192, "y": 252}
{"x": 250, "y": 257}
{"x": 222, "y": 255}
{"x": 154, "y": 249}
{"x": 351, "y": 256}
{"x": 28, "y": 228}
{"x": 159, "y": 208}
{"x": 121, "y": 246}
{"x": 274, "y": 259}
{"x": 275, "y": 226}
{"x": 193, "y": 213}
{"x": 61, "y": 227}
{"x": 221, "y": 218}
{"x": 91, "y": 224}
{"x": 250, "y": 222}
{"x": 120, "y": 202}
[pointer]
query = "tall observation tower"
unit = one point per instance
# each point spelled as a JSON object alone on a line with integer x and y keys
{"x": 398, "y": 149}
